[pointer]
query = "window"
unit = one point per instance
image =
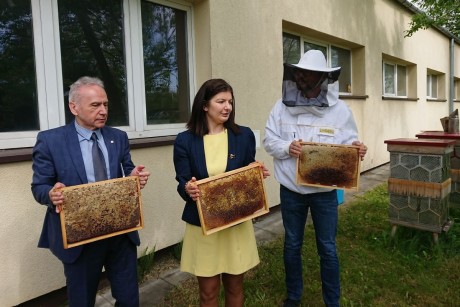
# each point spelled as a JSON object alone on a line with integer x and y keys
{"x": 18, "y": 86}
{"x": 394, "y": 80}
{"x": 342, "y": 58}
{"x": 291, "y": 48}
{"x": 311, "y": 46}
{"x": 91, "y": 42}
{"x": 142, "y": 50}
{"x": 456, "y": 89}
{"x": 432, "y": 86}
{"x": 336, "y": 56}
{"x": 399, "y": 78}
{"x": 165, "y": 64}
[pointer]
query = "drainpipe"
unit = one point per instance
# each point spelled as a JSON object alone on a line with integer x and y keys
{"x": 451, "y": 77}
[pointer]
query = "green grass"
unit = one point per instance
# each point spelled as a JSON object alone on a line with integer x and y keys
{"x": 376, "y": 269}
{"x": 145, "y": 263}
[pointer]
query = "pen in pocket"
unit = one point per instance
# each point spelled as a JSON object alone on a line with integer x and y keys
{"x": 122, "y": 170}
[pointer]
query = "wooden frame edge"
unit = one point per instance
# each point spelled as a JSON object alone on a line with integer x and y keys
{"x": 358, "y": 167}
{"x": 260, "y": 212}
{"x": 105, "y": 236}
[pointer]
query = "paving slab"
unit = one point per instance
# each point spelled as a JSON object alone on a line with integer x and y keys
{"x": 153, "y": 292}
{"x": 175, "y": 276}
{"x": 104, "y": 298}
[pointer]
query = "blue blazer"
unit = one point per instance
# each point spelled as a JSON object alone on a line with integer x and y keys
{"x": 190, "y": 161}
{"x": 57, "y": 157}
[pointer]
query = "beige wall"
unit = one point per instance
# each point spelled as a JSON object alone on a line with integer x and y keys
{"x": 250, "y": 58}
{"x": 241, "y": 41}
{"x": 24, "y": 268}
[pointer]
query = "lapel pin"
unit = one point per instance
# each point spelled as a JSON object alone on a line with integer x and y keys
{"x": 231, "y": 156}
{"x": 111, "y": 141}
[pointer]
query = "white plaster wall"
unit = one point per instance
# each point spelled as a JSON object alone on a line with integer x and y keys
{"x": 240, "y": 41}
{"x": 161, "y": 203}
{"x": 26, "y": 271}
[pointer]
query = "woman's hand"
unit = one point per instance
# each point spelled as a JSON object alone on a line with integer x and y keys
{"x": 265, "y": 171}
{"x": 192, "y": 189}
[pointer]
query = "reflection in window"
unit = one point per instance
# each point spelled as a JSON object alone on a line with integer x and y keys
{"x": 456, "y": 88}
{"x": 18, "y": 88}
{"x": 401, "y": 80}
{"x": 291, "y": 48}
{"x": 394, "y": 79}
{"x": 92, "y": 44}
{"x": 311, "y": 46}
{"x": 389, "y": 79}
{"x": 164, "y": 34}
{"x": 339, "y": 57}
{"x": 432, "y": 86}
{"x": 342, "y": 58}
{"x": 336, "y": 56}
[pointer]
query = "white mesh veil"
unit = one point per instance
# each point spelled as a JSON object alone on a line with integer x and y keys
{"x": 293, "y": 97}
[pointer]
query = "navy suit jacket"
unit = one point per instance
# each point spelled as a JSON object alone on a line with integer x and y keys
{"x": 190, "y": 161}
{"x": 57, "y": 157}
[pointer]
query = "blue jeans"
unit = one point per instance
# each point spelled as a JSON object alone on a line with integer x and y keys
{"x": 323, "y": 210}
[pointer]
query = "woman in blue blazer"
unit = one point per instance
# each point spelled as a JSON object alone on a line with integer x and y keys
{"x": 214, "y": 144}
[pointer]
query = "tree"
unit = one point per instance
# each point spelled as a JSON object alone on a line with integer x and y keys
{"x": 441, "y": 13}
{"x": 18, "y": 91}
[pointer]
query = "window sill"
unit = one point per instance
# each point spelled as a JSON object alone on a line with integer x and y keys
{"x": 25, "y": 154}
{"x": 399, "y": 98}
{"x": 344, "y": 97}
{"x": 436, "y": 99}
{"x": 152, "y": 142}
{"x": 15, "y": 155}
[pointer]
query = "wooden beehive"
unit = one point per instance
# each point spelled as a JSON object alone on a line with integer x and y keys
{"x": 231, "y": 198}
{"x": 419, "y": 185}
{"x": 100, "y": 210}
{"x": 329, "y": 165}
{"x": 454, "y": 197}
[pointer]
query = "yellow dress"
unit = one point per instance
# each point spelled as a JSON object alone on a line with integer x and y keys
{"x": 232, "y": 250}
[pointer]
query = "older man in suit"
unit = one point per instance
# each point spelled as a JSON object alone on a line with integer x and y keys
{"x": 64, "y": 157}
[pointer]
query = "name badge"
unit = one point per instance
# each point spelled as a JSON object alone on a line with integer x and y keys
{"x": 326, "y": 131}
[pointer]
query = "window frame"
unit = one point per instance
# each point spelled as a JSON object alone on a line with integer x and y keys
{"x": 304, "y": 40}
{"x": 395, "y": 79}
{"x": 429, "y": 86}
{"x": 51, "y": 104}
{"x": 328, "y": 47}
{"x": 456, "y": 89}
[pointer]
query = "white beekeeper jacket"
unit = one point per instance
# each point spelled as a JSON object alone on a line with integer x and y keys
{"x": 333, "y": 125}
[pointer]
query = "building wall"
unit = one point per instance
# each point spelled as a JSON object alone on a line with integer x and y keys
{"x": 241, "y": 41}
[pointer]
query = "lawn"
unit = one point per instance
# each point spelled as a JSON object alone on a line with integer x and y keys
{"x": 376, "y": 269}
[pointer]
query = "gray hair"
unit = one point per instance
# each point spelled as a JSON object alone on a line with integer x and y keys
{"x": 74, "y": 92}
